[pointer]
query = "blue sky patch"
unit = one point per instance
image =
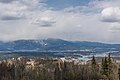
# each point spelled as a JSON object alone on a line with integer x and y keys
{"x": 61, "y": 4}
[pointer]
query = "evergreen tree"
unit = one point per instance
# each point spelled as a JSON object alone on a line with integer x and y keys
{"x": 109, "y": 64}
{"x": 105, "y": 66}
{"x": 109, "y": 59}
{"x": 102, "y": 66}
{"x": 41, "y": 76}
{"x": 93, "y": 61}
{"x": 119, "y": 73}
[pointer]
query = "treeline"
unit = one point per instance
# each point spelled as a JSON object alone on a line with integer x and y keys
{"x": 56, "y": 69}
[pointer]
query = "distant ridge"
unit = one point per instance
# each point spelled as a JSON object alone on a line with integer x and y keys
{"x": 54, "y": 45}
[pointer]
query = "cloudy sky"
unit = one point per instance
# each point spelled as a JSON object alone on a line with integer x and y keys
{"x": 81, "y": 20}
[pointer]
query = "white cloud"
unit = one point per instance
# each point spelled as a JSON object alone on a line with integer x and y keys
{"x": 19, "y": 9}
{"x": 111, "y": 14}
{"x": 44, "y": 22}
{"x": 25, "y": 19}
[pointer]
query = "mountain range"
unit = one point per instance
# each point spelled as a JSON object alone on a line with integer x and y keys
{"x": 54, "y": 45}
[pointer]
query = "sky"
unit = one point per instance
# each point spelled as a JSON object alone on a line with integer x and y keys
{"x": 74, "y": 20}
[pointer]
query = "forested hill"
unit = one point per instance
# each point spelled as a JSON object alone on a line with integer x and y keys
{"x": 54, "y": 45}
